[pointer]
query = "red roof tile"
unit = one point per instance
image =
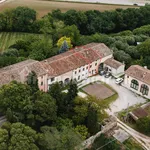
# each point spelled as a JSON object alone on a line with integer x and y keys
{"x": 139, "y": 73}
{"x": 75, "y": 58}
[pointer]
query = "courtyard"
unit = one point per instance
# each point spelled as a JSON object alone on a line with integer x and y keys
{"x": 125, "y": 99}
{"x": 98, "y": 90}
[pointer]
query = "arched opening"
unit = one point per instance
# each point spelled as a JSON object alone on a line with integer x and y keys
{"x": 134, "y": 84}
{"x": 67, "y": 80}
{"x": 144, "y": 89}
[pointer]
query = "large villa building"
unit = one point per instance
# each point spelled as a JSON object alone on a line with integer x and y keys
{"x": 75, "y": 64}
{"x": 137, "y": 79}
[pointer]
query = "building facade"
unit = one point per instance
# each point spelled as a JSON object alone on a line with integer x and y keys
{"x": 21, "y": 70}
{"x": 137, "y": 79}
{"x": 76, "y": 64}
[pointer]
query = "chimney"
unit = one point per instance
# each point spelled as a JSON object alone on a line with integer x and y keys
{"x": 76, "y": 48}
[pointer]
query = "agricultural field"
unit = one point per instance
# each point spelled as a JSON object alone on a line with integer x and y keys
{"x": 45, "y": 6}
{"x": 8, "y": 38}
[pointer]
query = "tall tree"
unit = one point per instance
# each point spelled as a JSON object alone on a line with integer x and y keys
{"x": 23, "y": 18}
{"x": 15, "y": 101}
{"x": 65, "y": 139}
{"x": 32, "y": 81}
{"x": 71, "y": 95}
{"x": 17, "y": 136}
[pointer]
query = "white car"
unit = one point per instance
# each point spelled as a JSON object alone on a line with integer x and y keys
{"x": 119, "y": 80}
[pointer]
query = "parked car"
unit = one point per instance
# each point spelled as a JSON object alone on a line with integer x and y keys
{"x": 102, "y": 72}
{"x": 119, "y": 80}
{"x": 107, "y": 75}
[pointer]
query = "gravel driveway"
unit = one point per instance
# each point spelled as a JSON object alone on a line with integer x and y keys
{"x": 125, "y": 99}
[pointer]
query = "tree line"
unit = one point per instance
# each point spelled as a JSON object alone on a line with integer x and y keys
{"x": 23, "y": 19}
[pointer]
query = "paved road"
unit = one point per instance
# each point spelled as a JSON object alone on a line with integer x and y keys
{"x": 121, "y": 2}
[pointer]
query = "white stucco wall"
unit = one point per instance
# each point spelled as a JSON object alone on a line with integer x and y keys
{"x": 80, "y": 73}
{"x": 42, "y": 82}
{"x": 127, "y": 83}
{"x": 117, "y": 71}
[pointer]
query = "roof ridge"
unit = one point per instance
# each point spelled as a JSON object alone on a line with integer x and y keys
{"x": 12, "y": 69}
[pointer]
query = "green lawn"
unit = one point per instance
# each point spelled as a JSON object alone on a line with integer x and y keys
{"x": 9, "y": 38}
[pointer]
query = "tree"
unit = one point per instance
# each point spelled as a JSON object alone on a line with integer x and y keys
{"x": 123, "y": 57}
{"x": 80, "y": 111}
{"x": 32, "y": 81}
{"x": 144, "y": 48}
{"x": 82, "y": 130}
{"x": 103, "y": 140}
{"x": 64, "y": 47}
{"x": 4, "y": 137}
{"x": 41, "y": 49}
{"x": 18, "y": 136}
{"x": 71, "y": 95}
{"x": 15, "y": 102}
{"x": 143, "y": 124}
{"x": 72, "y": 32}
{"x": 23, "y": 18}
{"x": 65, "y": 139}
{"x": 67, "y": 44}
{"x": 56, "y": 92}
{"x": 92, "y": 119}
{"x": 45, "y": 109}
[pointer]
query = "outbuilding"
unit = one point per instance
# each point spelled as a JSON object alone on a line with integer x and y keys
{"x": 115, "y": 67}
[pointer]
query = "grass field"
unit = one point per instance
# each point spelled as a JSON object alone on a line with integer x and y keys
{"x": 8, "y": 38}
{"x": 45, "y": 6}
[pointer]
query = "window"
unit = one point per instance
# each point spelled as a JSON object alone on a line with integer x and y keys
{"x": 41, "y": 83}
{"x": 52, "y": 79}
{"x": 75, "y": 72}
{"x": 144, "y": 89}
{"x": 79, "y": 70}
{"x": 90, "y": 66}
{"x": 95, "y": 64}
{"x": 83, "y": 69}
{"x": 87, "y": 68}
{"x": 127, "y": 76}
{"x": 78, "y": 77}
{"x": 134, "y": 84}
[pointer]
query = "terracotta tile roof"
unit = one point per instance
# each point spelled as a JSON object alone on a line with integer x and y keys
{"x": 113, "y": 63}
{"x": 139, "y": 73}
{"x": 19, "y": 70}
{"x": 140, "y": 112}
{"x": 75, "y": 58}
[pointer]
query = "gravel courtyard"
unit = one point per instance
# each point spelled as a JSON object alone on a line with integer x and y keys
{"x": 98, "y": 90}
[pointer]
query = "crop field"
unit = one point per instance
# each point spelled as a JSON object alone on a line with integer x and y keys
{"x": 8, "y": 38}
{"x": 45, "y": 6}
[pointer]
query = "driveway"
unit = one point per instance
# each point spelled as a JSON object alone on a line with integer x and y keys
{"x": 125, "y": 99}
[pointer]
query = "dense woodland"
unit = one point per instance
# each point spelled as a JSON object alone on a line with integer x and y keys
{"x": 57, "y": 120}
{"x": 46, "y": 121}
{"x": 120, "y": 30}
